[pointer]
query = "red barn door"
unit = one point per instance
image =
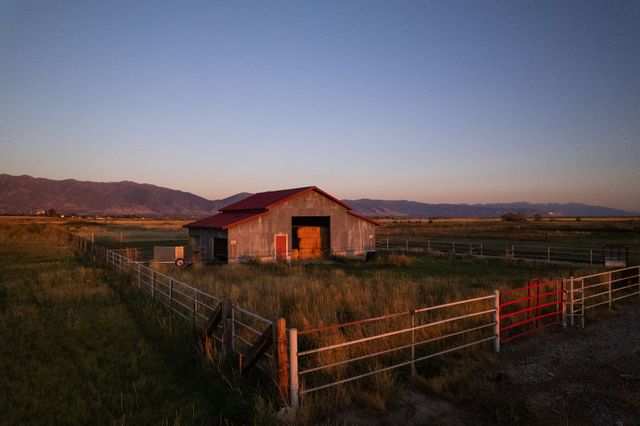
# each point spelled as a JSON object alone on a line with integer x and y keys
{"x": 281, "y": 247}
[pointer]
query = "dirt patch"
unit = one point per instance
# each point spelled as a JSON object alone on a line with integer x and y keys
{"x": 566, "y": 376}
{"x": 585, "y": 376}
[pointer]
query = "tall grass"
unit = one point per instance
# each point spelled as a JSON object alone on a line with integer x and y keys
{"x": 80, "y": 346}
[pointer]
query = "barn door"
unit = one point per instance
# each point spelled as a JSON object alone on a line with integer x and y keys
{"x": 281, "y": 247}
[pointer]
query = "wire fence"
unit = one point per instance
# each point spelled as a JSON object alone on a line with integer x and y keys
{"x": 547, "y": 253}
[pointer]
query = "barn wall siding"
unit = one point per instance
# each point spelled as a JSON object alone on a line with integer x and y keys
{"x": 350, "y": 236}
{"x": 206, "y": 236}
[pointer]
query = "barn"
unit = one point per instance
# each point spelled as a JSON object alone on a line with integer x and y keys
{"x": 291, "y": 224}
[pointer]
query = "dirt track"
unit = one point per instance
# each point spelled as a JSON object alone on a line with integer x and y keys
{"x": 562, "y": 377}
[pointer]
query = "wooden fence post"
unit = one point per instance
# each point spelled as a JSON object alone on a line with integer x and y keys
{"x": 496, "y": 320}
{"x": 294, "y": 398}
{"x": 280, "y": 356}
{"x": 227, "y": 330}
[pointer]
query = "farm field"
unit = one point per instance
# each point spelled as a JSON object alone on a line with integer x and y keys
{"x": 307, "y": 295}
{"x": 79, "y": 346}
{"x": 563, "y": 232}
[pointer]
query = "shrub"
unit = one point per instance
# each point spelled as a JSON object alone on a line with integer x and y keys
{"x": 513, "y": 217}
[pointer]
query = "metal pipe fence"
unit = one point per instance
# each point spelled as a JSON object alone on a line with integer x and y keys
{"x": 325, "y": 357}
{"x": 591, "y": 291}
{"x": 342, "y": 353}
{"x": 582, "y": 255}
{"x": 186, "y": 302}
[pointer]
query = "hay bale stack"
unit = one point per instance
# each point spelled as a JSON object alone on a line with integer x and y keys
{"x": 310, "y": 242}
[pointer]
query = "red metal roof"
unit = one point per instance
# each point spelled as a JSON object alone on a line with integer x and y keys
{"x": 266, "y": 200}
{"x": 259, "y": 204}
{"x": 224, "y": 220}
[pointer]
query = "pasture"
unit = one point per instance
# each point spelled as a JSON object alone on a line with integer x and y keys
{"x": 306, "y": 295}
{"x": 80, "y": 346}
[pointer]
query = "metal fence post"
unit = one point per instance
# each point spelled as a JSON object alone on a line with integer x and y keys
{"x": 429, "y": 246}
{"x": 548, "y": 254}
{"x": 582, "y": 300}
{"x": 563, "y": 303}
{"x": 513, "y": 252}
{"x": 406, "y": 245}
{"x": 481, "y": 253}
{"x": 591, "y": 256}
{"x": 387, "y": 243}
{"x": 571, "y": 309}
{"x": 153, "y": 287}
{"x": 471, "y": 249}
{"x": 170, "y": 294}
{"x": 195, "y": 315}
{"x": 453, "y": 247}
{"x": 293, "y": 369}
{"x": 139, "y": 277}
{"x": 413, "y": 343}
{"x": 496, "y": 320}
{"x": 610, "y": 296}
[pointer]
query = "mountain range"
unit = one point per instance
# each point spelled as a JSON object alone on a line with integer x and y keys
{"x": 27, "y": 195}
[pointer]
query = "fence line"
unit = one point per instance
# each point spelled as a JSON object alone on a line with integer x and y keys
{"x": 589, "y": 255}
{"x": 428, "y": 330}
{"x": 324, "y": 357}
{"x": 195, "y": 306}
{"x": 594, "y": 290}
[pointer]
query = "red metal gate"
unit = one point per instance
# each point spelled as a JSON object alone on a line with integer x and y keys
{"x": 533, "y": 307}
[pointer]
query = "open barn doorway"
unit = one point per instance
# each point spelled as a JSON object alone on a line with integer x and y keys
{"x": 220, "y": 249}
{"x": 311, "y": 237}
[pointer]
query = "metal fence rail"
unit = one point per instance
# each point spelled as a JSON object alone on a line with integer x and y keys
{"x": 590, "y": 291}
{"x": 187, "y": 302}
{"x": 389, "y": 342}
{"x": 588, "y": 255}
{"x": 341, "y": 353}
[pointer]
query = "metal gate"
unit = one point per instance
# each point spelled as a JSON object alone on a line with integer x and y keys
{"x": 526, "y": 309}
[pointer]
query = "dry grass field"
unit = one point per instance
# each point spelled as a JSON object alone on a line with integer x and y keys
{"x": 307, "y": 295}
{"x": 80, "y": 346}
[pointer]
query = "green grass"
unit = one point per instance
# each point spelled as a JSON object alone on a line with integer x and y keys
{"x": 584, "y": 233}
{"x": 80, "y": 346}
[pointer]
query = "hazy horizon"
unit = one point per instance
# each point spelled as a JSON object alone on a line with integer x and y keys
{"x": 351, "y": 198}
{"x": 437, "y": 102}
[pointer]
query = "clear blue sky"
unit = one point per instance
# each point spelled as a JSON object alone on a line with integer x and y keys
{"x": 430, "y": 101}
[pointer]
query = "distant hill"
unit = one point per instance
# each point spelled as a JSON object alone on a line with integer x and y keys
{"x": 404, "y": 208}
{"x": 26, "y": 195}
